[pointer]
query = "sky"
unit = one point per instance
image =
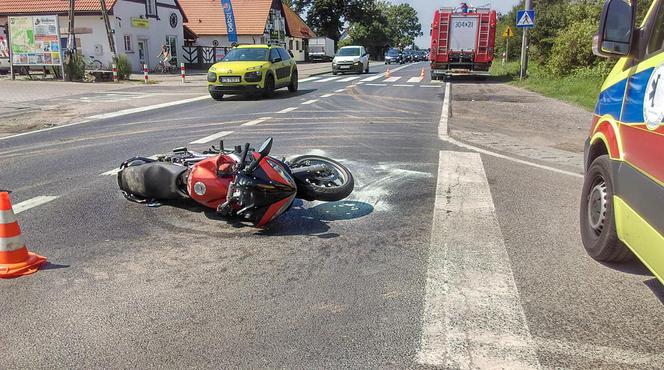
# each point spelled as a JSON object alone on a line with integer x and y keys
{"x": 426, "y": 8}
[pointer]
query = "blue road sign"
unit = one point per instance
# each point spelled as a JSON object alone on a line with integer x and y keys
{"x": 525, "y": 19}
{"x": 230, "y": 20}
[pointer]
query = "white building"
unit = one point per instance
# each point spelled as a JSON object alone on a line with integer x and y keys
{"x": 140, "y": 27}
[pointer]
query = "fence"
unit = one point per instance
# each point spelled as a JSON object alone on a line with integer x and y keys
{"x": 202, "y": 57}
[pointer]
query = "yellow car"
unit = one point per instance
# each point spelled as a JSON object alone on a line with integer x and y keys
{"x": 253, "y": 70}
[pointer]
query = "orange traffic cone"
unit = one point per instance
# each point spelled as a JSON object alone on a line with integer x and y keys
{"x": 15, "y": 260}
{"x": 388, "y": 73}
{"x": 422, "y": 74}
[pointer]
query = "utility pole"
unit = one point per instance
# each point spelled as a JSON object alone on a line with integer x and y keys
{"x": 524, "y": 46}
{"x": 109, "y": 31}
{"x": 71, "y": 39}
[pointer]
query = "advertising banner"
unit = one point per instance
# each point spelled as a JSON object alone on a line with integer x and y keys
{"x": 4, "y": 47}
{"x": 230, "y": 20}
{"x": 35, "y": 40}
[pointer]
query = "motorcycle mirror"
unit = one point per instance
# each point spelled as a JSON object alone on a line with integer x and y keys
{"x": 266, "y": 147}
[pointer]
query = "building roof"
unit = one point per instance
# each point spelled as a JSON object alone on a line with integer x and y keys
{"x": 206, "y": 17}
{"x": 295, "y": 26}
{"x": 17, "y": 7}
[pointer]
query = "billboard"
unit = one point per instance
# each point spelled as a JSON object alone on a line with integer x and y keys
{"x": 35, "y": 40}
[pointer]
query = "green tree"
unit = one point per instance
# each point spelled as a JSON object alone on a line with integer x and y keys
{"x": 403, "y": 25}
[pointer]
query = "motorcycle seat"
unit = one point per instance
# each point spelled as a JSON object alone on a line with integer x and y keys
{"x": 153, "y": 180}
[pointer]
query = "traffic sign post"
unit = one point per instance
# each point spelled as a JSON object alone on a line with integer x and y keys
{"x": 525, "y": 19}
{"x": 508, "y": 34}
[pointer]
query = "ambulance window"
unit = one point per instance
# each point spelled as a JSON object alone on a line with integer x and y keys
{"x": 657, "y": 38}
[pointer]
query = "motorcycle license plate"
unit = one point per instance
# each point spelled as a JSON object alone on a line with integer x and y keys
{"x": 344, "y": 67}
{"x": 230, "y": 80}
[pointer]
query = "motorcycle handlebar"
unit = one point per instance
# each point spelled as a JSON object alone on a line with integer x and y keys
{"x": 243, "y": 157}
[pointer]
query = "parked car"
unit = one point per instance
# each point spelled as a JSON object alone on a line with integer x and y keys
{"x": 253, "y": 69}
{"x": 321, "y": 49}
{"x": 393, "y": 56}
{"x": 623, "y": 191}
{"x": 351, "y": 59}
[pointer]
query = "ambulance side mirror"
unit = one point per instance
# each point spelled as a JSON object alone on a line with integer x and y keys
{"x": 616, "y": 29}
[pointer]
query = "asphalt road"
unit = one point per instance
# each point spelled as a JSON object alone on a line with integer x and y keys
{"x": 441, "y": 257}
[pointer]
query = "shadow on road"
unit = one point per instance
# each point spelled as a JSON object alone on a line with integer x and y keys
{"x": 299, "y": 220}
{"x": 277, "y": 95}
{"x": 53, "y": 266}
{"x": 657, "y": 288}
{"x": 633, "y": 267}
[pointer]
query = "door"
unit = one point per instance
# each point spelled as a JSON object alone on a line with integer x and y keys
{"x": 172, "y": 43}
{"x": 288, "y": 64}
{"x": 143, "y": 53}
{"x": 277, "y": 66}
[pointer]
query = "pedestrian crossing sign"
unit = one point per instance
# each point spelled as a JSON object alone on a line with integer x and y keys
{"x": 508, "y": 32}
{"x": 525, "y": 19}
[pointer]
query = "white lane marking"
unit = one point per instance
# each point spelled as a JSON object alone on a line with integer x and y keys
{"x": 256, "y": 121}
{"x": 417, "y": 79}
{"x": 434, "y": 86}
{"x": 115, "y": 171}
{"x": 402, "y": 85}
{"x": 212, "y": 137}
{"x": 376, "y": 84}
{"x": 326, "y": 95}
{"x": 308, "y": 102}
{"x": 443, "y": 134}
{"x": 329, "y": 79}
{"x": 473, "y": 317}
{"x": 308, "y": 79}
{"x": 374, "y": 78}
{"x": 32, "y": 203}
{"x": 287, "y": 110}
{"x": 340, "y": 90}
{"x": 125, "y": 112}
{"x": 348, "y": 79}
{"x": 392, "y": 79}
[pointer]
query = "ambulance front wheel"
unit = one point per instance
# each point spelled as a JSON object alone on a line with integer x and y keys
{"x": 598, "y": 225}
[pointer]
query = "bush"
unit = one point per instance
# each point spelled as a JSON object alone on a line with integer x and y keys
{"x": 124, "y": 67}
{"x": 75, "y": 68}
{"x": 572, "y": 48}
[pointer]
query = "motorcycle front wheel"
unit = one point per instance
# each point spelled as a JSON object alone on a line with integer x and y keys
{"x": 333, "y": 184}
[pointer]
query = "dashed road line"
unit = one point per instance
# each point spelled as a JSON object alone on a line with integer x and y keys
{"x": 382, "y": 85}
{"x": 326, "y": 95}
{"x": 472, "y": 315}
{"x": 373, "y": 78}
{"x": 287, "y": 110}
{"x": 398, "y": 85}
{"x": 415, "y": 80}
{"x": 432, "y": 86}
{"x": 256, "y": 121}
{"x": 348, "y": 79}
{"x": 329, "y": 79}
{"x": 392, "y": 79}
{"x": 309, "y": 102}
{"x": 212, "y": 137}
{"x": 340, "y": 90}
{"x": 309, "y": 79}
{"x": 32, "y": 203}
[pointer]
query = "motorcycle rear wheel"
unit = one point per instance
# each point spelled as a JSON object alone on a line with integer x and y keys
{"x": 331, "y": 185}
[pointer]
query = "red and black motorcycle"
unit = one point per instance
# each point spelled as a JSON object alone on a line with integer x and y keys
{"x": 244, "y": 182}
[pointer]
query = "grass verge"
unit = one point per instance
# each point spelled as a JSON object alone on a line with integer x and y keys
{"x": 580, "y": 89}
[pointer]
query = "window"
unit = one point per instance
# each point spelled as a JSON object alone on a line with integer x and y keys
{"x": 151, "y": 8}
{"x": 290, "y": 44}
{"x": 297, "y": 45}
{"x": 284, "y": 54}
{"x": 128, "y": 47}
{"x": 172, "y": 43}
{"x": 657, "y": 37}
{"x": 274, "y": 54}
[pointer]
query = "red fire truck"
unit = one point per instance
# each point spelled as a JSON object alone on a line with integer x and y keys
{"x": 462, "y": 40}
